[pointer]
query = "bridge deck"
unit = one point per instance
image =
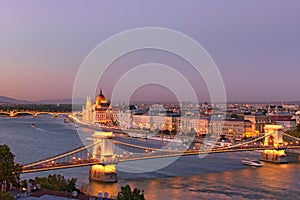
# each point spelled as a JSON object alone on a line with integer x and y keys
{"x": 63, "y": 161}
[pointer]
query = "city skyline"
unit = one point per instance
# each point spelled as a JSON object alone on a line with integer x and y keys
{"x": 254, "y": 44}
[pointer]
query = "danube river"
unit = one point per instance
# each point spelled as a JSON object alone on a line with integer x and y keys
{"x": 216, "y": 176}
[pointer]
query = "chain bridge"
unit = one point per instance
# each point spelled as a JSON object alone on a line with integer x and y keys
{"x": 105, "y": 153}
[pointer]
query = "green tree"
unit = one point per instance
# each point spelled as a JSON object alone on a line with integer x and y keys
{"x": 295, "y": 132}
{"x": 146, "y": 129}
{"x": 192, "y": 133}
{"x": 9, "y": 170}
{"x": 6, "y": 196}
{"x": 127, "y": 194}
{"x": 57, "y": 182}
{"x": 71, "y": 185}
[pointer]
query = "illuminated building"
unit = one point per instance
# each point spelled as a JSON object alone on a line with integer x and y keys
{"x": 100, "y": 112}
{"x": 199, "y": 125}
{"x": 259, "y": 121}
{"x": 285, "y": 120}
{"x": 232, "y": 129}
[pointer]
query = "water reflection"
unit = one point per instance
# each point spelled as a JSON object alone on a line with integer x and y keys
{"x": 95, "y": 187}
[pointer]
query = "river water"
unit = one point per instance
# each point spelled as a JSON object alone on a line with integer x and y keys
{"x": 215, "y": 176}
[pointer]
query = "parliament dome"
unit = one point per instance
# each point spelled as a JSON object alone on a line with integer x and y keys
{"x": 100, "y": 98}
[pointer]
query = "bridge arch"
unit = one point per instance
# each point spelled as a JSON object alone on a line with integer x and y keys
{"x": 273, "y": 135}
{"x": 22, "y": 113}
{"x": 62, "y": 114}
{"x": 271, "y": 140}
{"x": 4, "y": 113}
{"x": 44, "y": 113}
{"x": 33, "y": 113}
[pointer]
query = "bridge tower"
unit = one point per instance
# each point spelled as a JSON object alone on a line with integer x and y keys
{"x": 273, "y": 139}
{"x": 12, "y": 114}
{"x": 274, "y": 135}
{"x": 103, "y": 152}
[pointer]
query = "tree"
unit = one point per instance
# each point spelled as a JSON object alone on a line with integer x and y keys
{"x": 192, "y": 133}
{"x": 127, "y": 194}
{"x": 6, "y": 196}
{"x": 146, "y": 129}
{"x": 173, "y": 131}
{"x": 9, "y": 170}
{"x": 295, "y": 132}
{"x": 57, "y": 182}
{"x": 157, "y": 130}
{"x": 298, "y": 129}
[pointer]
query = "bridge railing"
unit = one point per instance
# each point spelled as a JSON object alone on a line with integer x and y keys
{"x": 60, "y": 156}
{"x": 147, "y": 152}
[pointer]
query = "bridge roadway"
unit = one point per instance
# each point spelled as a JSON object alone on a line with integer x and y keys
{"x": 81, "y": 157}
{"x": 136, "y": 157}
{"x": 33, "y": 113}
{"x": 62, "y": 165}
{"x": 152, "y": 155}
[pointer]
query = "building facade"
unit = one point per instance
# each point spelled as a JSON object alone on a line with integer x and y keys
{"x": 232, "y": 129}
{"x": 99, "y": 112}
{"x": 258, "y": 121}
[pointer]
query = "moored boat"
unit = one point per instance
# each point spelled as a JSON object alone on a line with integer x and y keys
{"x": 166, "y": 139}
{"x": 254, "y": 163}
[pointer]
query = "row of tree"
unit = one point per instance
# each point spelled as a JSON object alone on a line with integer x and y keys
{"x": 192, "y": 132}
{"x": 41, "y": 107}
{"x": 57, "y": 182}
{"x": 295, "y": 132}
{"x": 127, "y": 194}
{"x": 6, "y": 196}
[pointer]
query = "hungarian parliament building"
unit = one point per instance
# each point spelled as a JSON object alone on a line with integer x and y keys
{"x": 99, "y": 112}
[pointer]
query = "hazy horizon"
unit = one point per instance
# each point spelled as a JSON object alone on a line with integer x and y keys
{"x": 255, "y": 45}
{"x": 83, "y": 101}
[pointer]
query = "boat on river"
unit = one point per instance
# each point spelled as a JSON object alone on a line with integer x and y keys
{"x": 149, "y": 136}
{"x": 254, "y": 163}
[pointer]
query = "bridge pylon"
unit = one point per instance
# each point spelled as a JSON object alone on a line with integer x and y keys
{"x": 12, "y": 114}
{"x": 274, "y": 135}
{"x": 103, "y": 151}
{"x": 276, "y": 153}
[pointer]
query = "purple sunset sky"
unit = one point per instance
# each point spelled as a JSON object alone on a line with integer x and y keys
{"x": 255, "y": 44}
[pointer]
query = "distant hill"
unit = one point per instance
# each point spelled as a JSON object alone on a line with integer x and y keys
{"x": 8, "y": 100}
{"x": 53, "y": 101}
{"x": 294, "y": 102}
{"x": 61, "y": 101}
